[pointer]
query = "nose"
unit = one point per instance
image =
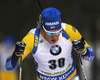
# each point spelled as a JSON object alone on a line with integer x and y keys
{"x": 54, "y": 36}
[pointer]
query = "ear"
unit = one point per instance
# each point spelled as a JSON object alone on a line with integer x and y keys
{"x": 40, "y": 17}
{"x": 39, "y": 23}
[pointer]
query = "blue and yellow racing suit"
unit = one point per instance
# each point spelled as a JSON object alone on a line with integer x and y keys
{"x": 53, "y": 61}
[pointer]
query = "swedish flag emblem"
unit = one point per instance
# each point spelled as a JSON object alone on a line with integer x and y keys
{"x": 41, "y": 41}
{"x": 52, "y": 27}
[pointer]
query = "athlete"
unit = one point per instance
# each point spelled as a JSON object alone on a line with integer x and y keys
{"x": 51, "y": 43}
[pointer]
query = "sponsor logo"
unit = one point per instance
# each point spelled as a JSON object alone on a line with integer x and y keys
{"x": 52, "y": 23}
{"x": 55, "y": 50}
{"x": 64, "y": 74}
{"x": 73, "y": 28}
{"x": 36, "y": 41}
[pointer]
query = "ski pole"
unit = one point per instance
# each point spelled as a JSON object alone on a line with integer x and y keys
{"x": 76, "y": 42}
{"x": 38, "y": 2}
{"x": 82, "y": 67}
{"x": 20, "y": 47}
{"x": 20, "y": 68}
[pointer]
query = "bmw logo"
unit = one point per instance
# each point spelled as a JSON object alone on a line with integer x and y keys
{"x": 55, "y": 50}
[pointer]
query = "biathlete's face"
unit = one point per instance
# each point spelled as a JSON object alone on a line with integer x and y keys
{"x": 52, "y": 35}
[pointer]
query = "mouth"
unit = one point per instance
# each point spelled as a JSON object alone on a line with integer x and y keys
{"x": 54, "y": 40}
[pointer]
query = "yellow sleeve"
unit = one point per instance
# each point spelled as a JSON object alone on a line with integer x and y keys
{"x": 73, "y": 33}
{"x": 29, "y": 41}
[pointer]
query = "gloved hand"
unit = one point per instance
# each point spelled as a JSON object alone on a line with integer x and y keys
{"x": 19, "y": 49}
{"x": 79, "y": 45}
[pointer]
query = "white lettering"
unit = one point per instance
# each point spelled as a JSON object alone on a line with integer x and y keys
{"x": 66, "y": 75}
{"x": 52, "y": 23}
{"x": 48, "y": 78}
{"x": 20, "y": 74}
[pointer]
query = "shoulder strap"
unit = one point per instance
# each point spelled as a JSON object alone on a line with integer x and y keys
{"x": 36, "y": 39}
{"x": 65, "y": 34}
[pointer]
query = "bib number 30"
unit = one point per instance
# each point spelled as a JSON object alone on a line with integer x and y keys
{"x": 53, "y": 63}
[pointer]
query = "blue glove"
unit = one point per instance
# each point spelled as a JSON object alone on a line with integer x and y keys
{"x": 79, "y": 45}
{"x": 89, "y": 55}
{"x": 19, "y": 49}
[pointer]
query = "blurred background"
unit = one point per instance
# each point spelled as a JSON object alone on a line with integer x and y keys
{"x": 17, "y": 17}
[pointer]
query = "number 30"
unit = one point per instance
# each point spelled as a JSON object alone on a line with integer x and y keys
{"x": 61, "y": 63}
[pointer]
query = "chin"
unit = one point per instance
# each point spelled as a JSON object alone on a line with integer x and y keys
{"x": 53, "y": 42}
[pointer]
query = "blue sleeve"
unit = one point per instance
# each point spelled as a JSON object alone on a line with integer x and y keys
{"x": 11, "y": 62}
{"x": 89, "y": 54}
